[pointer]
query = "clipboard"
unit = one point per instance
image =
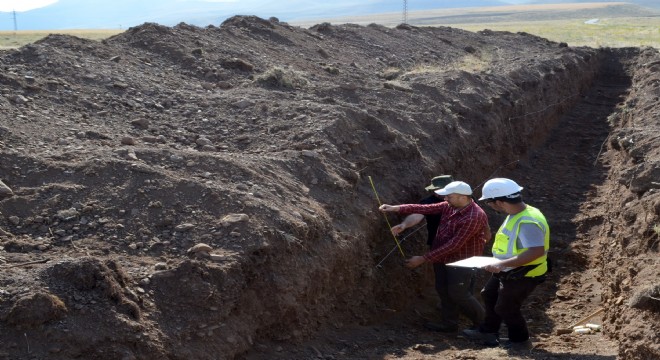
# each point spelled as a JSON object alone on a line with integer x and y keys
{"x": 475, "y": 262}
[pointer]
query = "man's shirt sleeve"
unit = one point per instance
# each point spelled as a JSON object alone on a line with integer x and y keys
{"x": 530, "y": 235}
{"x": 422, "y": 209}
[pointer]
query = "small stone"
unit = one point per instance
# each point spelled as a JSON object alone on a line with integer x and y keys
{"x": 242, "y": 104}
{"x": 202, "y": 141}
{"x": 141, "y": 123}
{"x": 201, "y": 247}
{"x": 19, "y": 99}
{"x": 184, "y": 227}
{"x": 230, "y": 219}
{"x": 218, "y": 257}
{"x": 67, "y": 214}
{"x": 619, "y": 300}
{"x": 131, "y": 155}
{"x": 310, "y": 153}
{"x": 127, "y": 140}
{"x": 5, "y": 191}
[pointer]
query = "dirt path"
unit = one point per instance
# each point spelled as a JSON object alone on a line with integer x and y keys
{"x": 561, "y": 179}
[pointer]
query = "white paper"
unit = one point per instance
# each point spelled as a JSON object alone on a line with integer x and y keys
{"x": 475, "y": 262}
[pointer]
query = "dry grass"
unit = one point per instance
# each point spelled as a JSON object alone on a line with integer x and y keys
{"x": 15, "y": 39}
{"x": 282, "y": 78}
{"x": 614, "y": 32}
{"x": 433, "y": 17}
{"x": 469, "y": 63}
{"x": 557, "y": 22}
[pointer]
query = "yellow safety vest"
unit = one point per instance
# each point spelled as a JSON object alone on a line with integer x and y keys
{"x": 505, "y": 246}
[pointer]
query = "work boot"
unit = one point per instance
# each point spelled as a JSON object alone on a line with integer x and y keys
{"x": 488, "y": 339}
{"x": 518, "y": 345}
{"x": 441, "y": 327}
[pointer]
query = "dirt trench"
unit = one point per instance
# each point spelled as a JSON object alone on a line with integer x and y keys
{"x": 566, "y": 176}
{"x": 126, "y": 155}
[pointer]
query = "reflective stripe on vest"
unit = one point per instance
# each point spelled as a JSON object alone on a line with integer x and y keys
{"x": 505, "y": 247}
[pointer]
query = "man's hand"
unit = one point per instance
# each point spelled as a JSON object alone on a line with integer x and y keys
{"x": 495, "y": 268}
{"x": 398, "y": 229}
{"x": 415, "y": 261}
{"x": 388, "y": 208}
{"x": 526, "y": 257}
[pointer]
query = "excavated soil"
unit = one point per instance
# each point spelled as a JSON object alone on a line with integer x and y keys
{"x": 204, "y": 193}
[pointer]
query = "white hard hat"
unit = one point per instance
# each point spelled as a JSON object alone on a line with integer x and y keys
{"x": 499, "y": 187}
{"x": 455, "y": 187}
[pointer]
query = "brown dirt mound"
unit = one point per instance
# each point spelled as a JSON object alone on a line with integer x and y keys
{"x": 35, "y": 309}
{"x": 257, "y": 138}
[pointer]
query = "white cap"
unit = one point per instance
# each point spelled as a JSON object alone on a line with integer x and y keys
{"x": 455, "y": 187}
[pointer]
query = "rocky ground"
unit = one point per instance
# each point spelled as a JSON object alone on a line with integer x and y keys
{"x": 203, "y": 193}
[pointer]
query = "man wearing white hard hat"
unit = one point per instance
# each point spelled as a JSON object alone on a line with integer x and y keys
{"x": 462, "y": 233}
{"x": 521, "y": 244}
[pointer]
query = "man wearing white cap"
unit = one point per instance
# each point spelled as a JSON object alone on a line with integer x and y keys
{"x": 432, "y": 220}
{"x": 462, "y": 233}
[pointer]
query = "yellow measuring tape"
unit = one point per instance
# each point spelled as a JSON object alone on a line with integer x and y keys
{"x": 386, "y": 220}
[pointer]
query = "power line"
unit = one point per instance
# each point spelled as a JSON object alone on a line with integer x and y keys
{"x": 405, "y": 12}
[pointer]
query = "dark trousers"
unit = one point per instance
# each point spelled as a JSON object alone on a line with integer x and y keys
{"x": 455, "y": 285}
{"x": 503, "y": 300}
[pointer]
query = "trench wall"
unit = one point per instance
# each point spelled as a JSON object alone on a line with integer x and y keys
{"x": 508, "y": 115}
{"x": 630, "y": 234}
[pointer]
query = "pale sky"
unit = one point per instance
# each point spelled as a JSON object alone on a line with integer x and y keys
{"x": 169, "y": 13}
{"x": 23, "y": 5}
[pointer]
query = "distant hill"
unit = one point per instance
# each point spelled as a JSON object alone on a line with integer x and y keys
{"x": 121, "y": 14}
{"x": 497, "y": 14}
{"x": 651, "y": 4}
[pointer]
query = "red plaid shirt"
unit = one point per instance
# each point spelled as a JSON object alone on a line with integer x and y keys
{"x": 461, "y": 234}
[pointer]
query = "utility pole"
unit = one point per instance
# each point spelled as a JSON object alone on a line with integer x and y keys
{"x": 405, "y": 11}
{"x": 15, "y": 26}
